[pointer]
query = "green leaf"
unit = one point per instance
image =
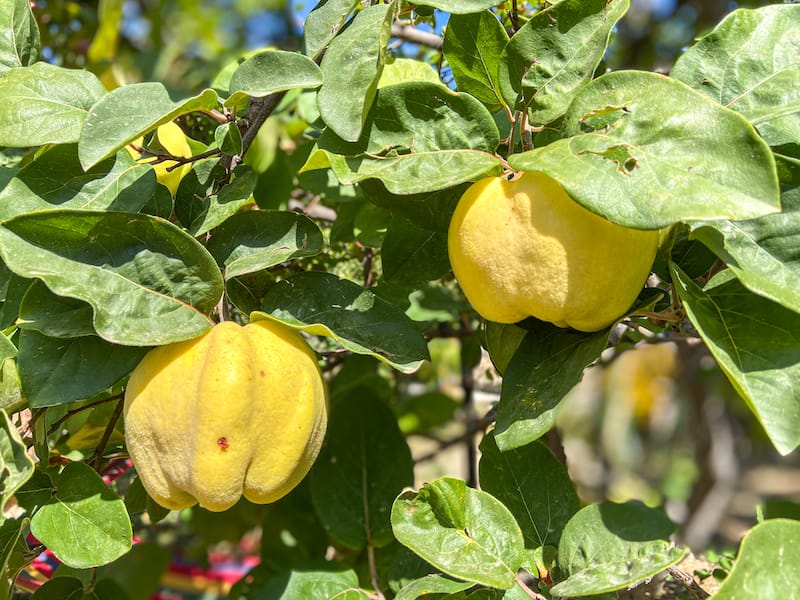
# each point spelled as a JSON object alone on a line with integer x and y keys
{"x": 789, "y": 176}
{"x": 322, "y": 304}
{"x": 55, "y": 179}
{"x": 11, "y": 398}
{"x": 19, "y": 35}
{"x": 54, "y": 316}
{"x": 411, "y": 255}
{"x": 400, "y": 70}
{"x": 418, "y": 137}
{"x": 751, "y": 63}
{"x": 352, "y": 67}
{"x": 555, "y": 53}
{"x": 610, "y": 546}
{"x": 647, "y": 151}
{"x": 766, "y": 566}
{"x": 61, "y": 370}
{"x": 763, "y": 253}
{"x": 228, "y": 139}
{"x": 271, "y": 72}
{"x": 533, "y": 485}
{"x": 431, "y": 584}
{"x": 16, "y": 467}
{"x": 323, "y": 23}
{"x": 215, "y": 209}
{"x": 547, "y": 364}
{"x": 735, "y": 323}
{"x": 428, "y": 210}
{"x": 502, "y": 341}
{"x": 460, "y": 7}
{"x": 45, "y": 104}
{"x": 317, "y": 580}
{"x": 13, "y": 552}
{"x": 487, "y": 550}
{"x": 129, "y": 112}
{"x": 85, "y": 524}
{"x": 364, "y": 464}
{"x": 148, "y": 282}
{"x": 473, "y": 44}
{"x": 256, "y": 240}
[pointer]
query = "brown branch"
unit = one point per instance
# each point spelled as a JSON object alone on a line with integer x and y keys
{"x": 54, "y": 427}
{"x": 407, "y": 33}
{"x": 101, "y": 446}
{"x": 479, "y": 425}
{"x": 260, "y": 109}
{"x": 689, "y": 583}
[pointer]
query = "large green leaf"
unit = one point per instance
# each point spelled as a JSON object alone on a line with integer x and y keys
{"x": 45, "y": 104}
{"x": 462, "y": 531}
{"x": 352, "y": 66}
{"x": 364, "y": 464}
{"x": 19, "y": 35}
{"x": 322, "y": 304}
{"x": 418, "y": 137}
{"x": 129, "y": 112}
{"x": 148, "y": 282}
{"x": 766, "y": 566}
{"x": 756, "y": 343}
{"x": 554, "y": 54}
{"x": 55, "y": 179}
{"x": 316, "y": 580}
{"x": 751, "y": 63}
{"x": 256, "y": 240}
{"x": 533, "y": 485}
{"x": 54, "y": 316}
{"x": 323, "y": 23}
{"x": 608, "y": 546}
{"x": 270, "y": 72}
{"x": 764, "y": 253}
{"x": 61, "y": 370}
{"x": 646, "y": 151}
{"x": 85, "y": 523}
{"x": 16, "y": 467}
{"x": 547, "y": 364}
{"x": 473, "y": 44}
{"x": 411, "y": 255}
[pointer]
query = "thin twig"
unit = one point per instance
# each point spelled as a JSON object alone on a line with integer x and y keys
{"x": 528, "y": 591}
{"x": 688, "y": 582}
{"x": 478, "y": 426}
{"x": 54, "y": 427}
{"x": 101, "y": 446}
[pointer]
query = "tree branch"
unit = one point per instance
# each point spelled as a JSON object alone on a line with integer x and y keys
{"x": 407, "y": 33}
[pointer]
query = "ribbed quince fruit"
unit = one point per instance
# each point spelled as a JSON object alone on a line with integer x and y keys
{"x": 172, "y": 139}
{"x": 523, "y": 248}
{"x": 236, "y": 411}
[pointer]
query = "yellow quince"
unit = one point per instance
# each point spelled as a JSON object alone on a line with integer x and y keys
{"x": 172, "y": 139}
{"x": 523, "y": 248}
{"x": 236, "y": 411}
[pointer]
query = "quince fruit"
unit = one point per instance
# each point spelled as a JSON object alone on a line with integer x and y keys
{"x": 236, "y": 411}
{"x": 523, "y": 248}
{"x": 171, "y": 139}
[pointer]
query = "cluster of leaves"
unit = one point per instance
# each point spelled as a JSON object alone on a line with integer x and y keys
{"x": 101, "y": 263}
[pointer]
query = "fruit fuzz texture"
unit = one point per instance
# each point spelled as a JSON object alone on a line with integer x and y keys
{"x": 524, "y": 248}
{"x": 236, "y": 411}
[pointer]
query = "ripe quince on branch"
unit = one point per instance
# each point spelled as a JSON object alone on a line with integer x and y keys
{"x": 523, "y": 247}
{"x": 236, "y": 411}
